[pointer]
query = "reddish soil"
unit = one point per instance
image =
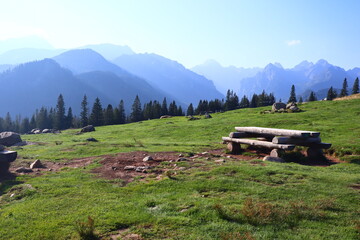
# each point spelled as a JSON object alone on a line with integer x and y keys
{"x": 113, "y": 166}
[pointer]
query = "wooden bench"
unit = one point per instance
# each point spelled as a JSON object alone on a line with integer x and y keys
{"x": 279, "y": 140}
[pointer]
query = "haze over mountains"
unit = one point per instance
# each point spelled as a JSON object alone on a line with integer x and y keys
{"x": 113, "y": 72}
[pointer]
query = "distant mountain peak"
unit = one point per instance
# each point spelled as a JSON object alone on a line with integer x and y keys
{"x": 322, "y": 62}
{"x": 109, "y": 51}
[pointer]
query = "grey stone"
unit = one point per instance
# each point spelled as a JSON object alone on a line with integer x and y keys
{"x": 91, "y": 140}
{"x": 37, "y": 131}
{"x": 47, "y": 130}
{"x": 36, "y": 164}
{"x": 165, "y": 116}
{"x": 182, "y": 159}
{"x": 129, "y": 168}
{"x": 88, "y": 128}
{"x": 277, "y": 106}
{"x": 294, "y": 108}
{"x": 9, "y": 138}
{"x": 148, "y": 158}
{"x": 273, "y": 159}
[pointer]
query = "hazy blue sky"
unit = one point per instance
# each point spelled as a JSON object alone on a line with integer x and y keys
{"x": 233, "y": 32}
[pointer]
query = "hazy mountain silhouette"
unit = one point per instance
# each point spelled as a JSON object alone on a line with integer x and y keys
{"x": 109, "y": 51}
{"x": 306, "y": 77}
{"x": 224, "y": 78}
{"x": 33, "y": 85}
{"x": 25, "y": 42}
{"x": 86, "y": 60}
{"x": 23, "y": 55}
{"x": 170, "y": 76}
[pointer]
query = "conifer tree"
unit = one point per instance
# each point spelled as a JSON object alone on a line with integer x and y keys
{"x": 331, "y": 94}
{"x": 119, "y": 113}
{"x": 164, "y": 107}
{"x": 355, "y": 88}
{"x": 312, "y": 97}
{"x": 254, "y": 101}
{"x": 96, "y": 116}
{"x": 84, "y": 112}
{"x": 69, "y": 118}
{"x": 292, "y": 97}
{"x": 344, "y": 91}
{"x": 136, "y": 114}
{"x": 109, "y": 115}
{"x": 60, "y": 113}
{"x": 244, "y": 103}
{"x": 301, "y": 99}
{"x": 190, "y": 110}
{"x": 25, "y": 125}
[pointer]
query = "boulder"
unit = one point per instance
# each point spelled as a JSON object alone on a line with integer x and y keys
{"x": 207, "y": 116}
{"x": 129, "y": 168}
{"x": 277, "y": 106}
{"x": 294, "y": 108}
{"x": 47, "y": 130}
{"x": 37, "y": 131}
{"x": 165, "y": 116}
{"x": 88, "y": 128}
{"x": 36, "y": 164}
{"x": 9, "y": 138}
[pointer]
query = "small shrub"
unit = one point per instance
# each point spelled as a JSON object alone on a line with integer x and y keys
{"x": 86, "y": 230}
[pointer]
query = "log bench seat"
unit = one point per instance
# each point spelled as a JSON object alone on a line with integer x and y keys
{"x": 279, "y": 140}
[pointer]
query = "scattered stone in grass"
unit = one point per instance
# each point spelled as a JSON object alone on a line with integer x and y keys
{"x": 148, "y": 158}
{"x": 91, "y": 139}
{"x": 182, "y": 168}
{"x": 114, "y": 168}
{"x": 273, "y": 159}
{"x": 23, "y": 170}
{"x": 182, "y": 159}
{"x": 129, "y": 168}
{"x": 36, "y": 164}
{"x": 220, "y": 161}
{"x": 207, "y": 158}
{"x": 181, "y": 155}
{"x": 140, "y": 169}
{"x": 205, "y": 153}
{"x": 50, "y": 169}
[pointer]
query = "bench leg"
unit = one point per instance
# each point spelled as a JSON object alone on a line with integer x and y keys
{"x": 315, "y": 153}
{"x": 234, "y": 148}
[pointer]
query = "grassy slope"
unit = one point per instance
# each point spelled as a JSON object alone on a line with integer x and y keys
{"x": 307, "y": 202}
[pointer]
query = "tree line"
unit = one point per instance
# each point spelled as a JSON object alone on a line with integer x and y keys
{"x": 59, "y": 118}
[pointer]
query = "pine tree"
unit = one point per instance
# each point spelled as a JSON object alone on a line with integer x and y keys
{"x": 180, "y": 111}
{"x": 136, "y": 114}
{"x": 25, "y": 125}
{"x": 190, "y": 110}
{"x": 292, "y": 97}
{"x": 244, "y": 103}
{"x": 254, "y": 101}
{"x": 109, "y": 115}
{"x": 164, "y": 107}
{"x": 344, "y": 91}
{"x": 232, "y": 101}
{"x": 312, "y": 97}
{"x": 173, "y": 110}
{"x": 355, "y": 88}
{"x": 96, "y": 116}
{"x": 60, "y": 113}
{"x": 84, "y": 112}
{"x": 69, "y": 118}
{"x": 119, "y": 113}
{"x": 301, "y": 99}
{"x": 331, "y": 94}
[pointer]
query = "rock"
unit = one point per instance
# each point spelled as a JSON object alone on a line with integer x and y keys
{"x": 46, "y": 130}
{"x": 129, "y": 168}
{"x": 9, "y": 138}
{"x": 277, "y": 106}
{"x": 182, "y": 159}
{"x": 273, "y": 159}
{"x": 165, "y": 116}
{"x": 91, "y": 140}
{"x": 294, "y": 108}
{"x": 207, "y": 116}
{"x": 37, "y": 131}
{"x": 148, "y": 158}
{"x": 23, "y": 170}
{"x": 220, "y": 161}
{"x": 191, "y": 118}
{"x": 181, "y": 155}
{"x": 36, "y": 164}
{"x": 33, "y": 130}
{"x": 291, "y": 104}
{"x": 88, "y": 128}
{"x": 140, "y": 169}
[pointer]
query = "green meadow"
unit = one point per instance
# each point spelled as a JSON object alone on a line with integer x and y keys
{"x": 237, "y": 199}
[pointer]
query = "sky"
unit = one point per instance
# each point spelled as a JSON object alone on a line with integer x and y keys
{"x": 241, "y": 33}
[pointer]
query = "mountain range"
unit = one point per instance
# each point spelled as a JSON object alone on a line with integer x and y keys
{"x": 306, "y": 76}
